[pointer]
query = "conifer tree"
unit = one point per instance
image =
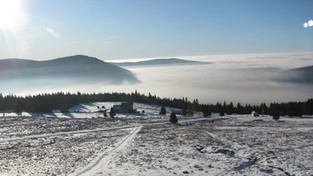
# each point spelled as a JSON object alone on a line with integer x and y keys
{"x": 163, "y": 111}
{"x": 184, "y": 112}
{"x": 173, "y": 118}
{"x": 112, "y": 113}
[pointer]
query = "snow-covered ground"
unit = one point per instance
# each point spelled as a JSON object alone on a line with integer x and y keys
{"x": 146, "y": 144}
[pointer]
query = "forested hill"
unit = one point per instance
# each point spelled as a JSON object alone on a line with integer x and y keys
{"x": 302, "y": 75}
{"x": 77, "y": 68}
{"x": 64, "y": 101}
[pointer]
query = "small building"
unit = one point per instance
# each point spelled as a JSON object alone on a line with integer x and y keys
{"x": 8, "y": 111}
{"x": 254, "y": 114}
{"x": 124, "y": 107}
{"x": 177, "y": 111}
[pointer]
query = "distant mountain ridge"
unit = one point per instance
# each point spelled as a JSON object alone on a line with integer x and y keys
{"x": 72, "y": 60}
{"x": 78, "y": 67}
{"x": 160, "y": 62}
{"x": 307, "y": 69}
{"x": 302, "y": 75}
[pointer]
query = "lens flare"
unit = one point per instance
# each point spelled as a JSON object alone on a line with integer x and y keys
{"x": 12, "y": 15}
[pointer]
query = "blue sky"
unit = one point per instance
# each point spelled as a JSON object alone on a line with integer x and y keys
{"x": 121, "y": 29}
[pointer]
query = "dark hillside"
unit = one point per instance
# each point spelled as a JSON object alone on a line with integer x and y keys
{"x": 79, "y": 68}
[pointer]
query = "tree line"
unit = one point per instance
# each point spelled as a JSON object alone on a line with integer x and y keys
{"x": 63, "y": 101}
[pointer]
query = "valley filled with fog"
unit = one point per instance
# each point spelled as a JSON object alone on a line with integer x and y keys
{"x": 238, "y": 78}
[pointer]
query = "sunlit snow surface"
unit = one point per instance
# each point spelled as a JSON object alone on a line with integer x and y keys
{"x": 146, "y": 144}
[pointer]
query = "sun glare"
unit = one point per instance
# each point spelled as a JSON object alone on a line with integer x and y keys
{"x": 12, "y": 16}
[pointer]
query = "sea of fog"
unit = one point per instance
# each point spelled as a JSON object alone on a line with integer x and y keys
{"x": 249, "y": 78}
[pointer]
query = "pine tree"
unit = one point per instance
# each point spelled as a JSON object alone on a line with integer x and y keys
{"x": 276, "y": 117}
{"x": 184, "y": 112}
{"x": 163, "y": 111}
{"x": 112, "y": 113}
{"x": 190, "y": 110}
{"x": 173, "y": 118}
{"x": 206, "y": 111}
{"x": 207, "y": 114}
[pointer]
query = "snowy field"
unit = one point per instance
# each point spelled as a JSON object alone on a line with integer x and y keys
{"x": 83, "y": 142}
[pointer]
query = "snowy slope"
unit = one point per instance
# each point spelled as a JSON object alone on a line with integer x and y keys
{"x": 147, "y": 144}
{"x": 238, "y": 146}
{"x": 91, "y": 110}
{"x": 150, "y": 110}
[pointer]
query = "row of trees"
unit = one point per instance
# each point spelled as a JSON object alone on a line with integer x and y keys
{"x": 280, "y": 109}
{"x": 63, "y": 101}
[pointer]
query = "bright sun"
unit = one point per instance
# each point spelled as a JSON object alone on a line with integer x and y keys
{"x": 12, "y": 15}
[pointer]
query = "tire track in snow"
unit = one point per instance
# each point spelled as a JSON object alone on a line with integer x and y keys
{"x": 63, "y": 133}
{"x": 97, "y": 166}
{"x": 226, "y": 141}
{"x": 36, "y": 136}
{"x": 244, "y": 150}
{"x": 106, "y": 156}
{"x": 252, "y": 159}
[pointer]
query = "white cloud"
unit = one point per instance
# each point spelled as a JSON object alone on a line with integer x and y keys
{"x": 52, "y": 32}
{"x": 308, "y": 24}
{"x": 305, "y": 25}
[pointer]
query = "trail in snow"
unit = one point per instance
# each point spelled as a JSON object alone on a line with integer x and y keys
{"x": 99, "y": 165}
{"x": 249, "y": 155}
{"x": 63, "y": 133}
{"x": 240, "y": 150}
{"x": 226, "y": 141}
{"x": 95, "y": 130}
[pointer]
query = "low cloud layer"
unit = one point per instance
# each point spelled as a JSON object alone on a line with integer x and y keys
{"x": 236, "y": 78}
